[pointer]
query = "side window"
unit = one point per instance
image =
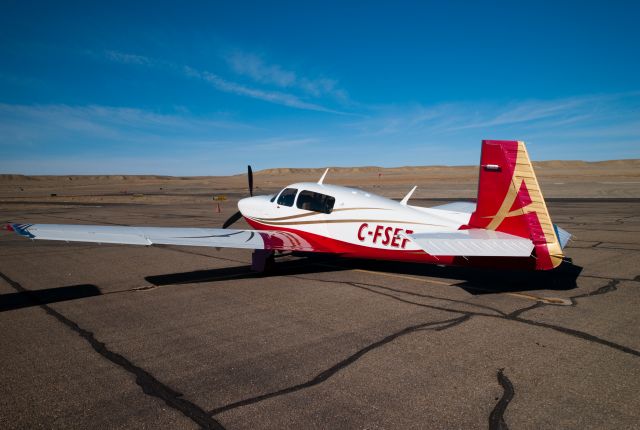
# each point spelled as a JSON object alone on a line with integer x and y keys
{"x": 287, "y": 196}
{"x": 316, "y": 202}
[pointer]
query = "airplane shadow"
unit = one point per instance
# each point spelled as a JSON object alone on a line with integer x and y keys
{"x": 475, "y": 281}
{"x": 24, "y": 299}
{"x": 479, "y": 281}
{"x": 281, "y": 268}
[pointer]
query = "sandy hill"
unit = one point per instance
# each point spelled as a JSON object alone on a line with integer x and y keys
{"x": 559, "y": 167}
{"x": 559, "y": 178}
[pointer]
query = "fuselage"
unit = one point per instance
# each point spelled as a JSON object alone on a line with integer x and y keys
{"x": 349, "y": 221}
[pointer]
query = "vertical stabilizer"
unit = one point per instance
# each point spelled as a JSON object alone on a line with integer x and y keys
{"x": 510, "y": 200}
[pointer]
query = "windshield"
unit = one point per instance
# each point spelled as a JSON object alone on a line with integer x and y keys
{"x": 287, "y": 196}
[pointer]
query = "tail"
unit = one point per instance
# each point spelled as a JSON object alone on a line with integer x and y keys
{"x": 510, "y": 201}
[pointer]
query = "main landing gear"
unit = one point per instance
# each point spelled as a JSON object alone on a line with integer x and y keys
{"x": 262, "y": 260}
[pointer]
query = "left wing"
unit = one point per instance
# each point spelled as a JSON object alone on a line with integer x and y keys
{"x": 212, "y": 237}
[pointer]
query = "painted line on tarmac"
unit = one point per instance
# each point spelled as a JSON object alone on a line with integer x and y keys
{"x": 548, "y": 300}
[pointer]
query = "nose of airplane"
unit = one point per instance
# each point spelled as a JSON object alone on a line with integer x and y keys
{"x": 244, "y": 205}
{"x": 253, "y": 206}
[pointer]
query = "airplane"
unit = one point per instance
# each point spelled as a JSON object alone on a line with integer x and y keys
{"x": 509, "y": 227}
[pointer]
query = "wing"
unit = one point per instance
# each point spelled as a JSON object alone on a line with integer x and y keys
{"x": 212, "y": 237}
{"x": 472, "y": 243}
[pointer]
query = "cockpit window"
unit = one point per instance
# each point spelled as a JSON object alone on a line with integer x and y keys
{"x": 287, "y": 196}
{"x": 316, "y": 202}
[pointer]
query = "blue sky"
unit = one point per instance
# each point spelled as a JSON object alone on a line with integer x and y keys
{"x": 206, "y": 88}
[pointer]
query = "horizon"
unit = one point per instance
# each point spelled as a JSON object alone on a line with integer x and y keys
{"x": 90, "y": 89}
{"x": 321, "y": 168}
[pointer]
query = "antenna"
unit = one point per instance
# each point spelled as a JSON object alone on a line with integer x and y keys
{"x": 323, "y": 175}
{"x": 406, "y": 198}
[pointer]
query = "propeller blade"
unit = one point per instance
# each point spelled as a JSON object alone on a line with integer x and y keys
{"x": 232, "y": 219}
{"x": 236, "y": 216}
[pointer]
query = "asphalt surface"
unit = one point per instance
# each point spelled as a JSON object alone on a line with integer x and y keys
{"x": 107, "y": 336}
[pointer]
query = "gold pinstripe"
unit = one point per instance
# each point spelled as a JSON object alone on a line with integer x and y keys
{"x": 338, "y": 221}
{"x": 304, "y": 215}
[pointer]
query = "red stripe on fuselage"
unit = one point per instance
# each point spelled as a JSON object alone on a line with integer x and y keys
{"x": 325, "y": 244}
{"x": 350, "y": 250}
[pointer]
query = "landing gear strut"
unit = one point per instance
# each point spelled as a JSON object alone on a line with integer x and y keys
{"x": 262, "y": 260}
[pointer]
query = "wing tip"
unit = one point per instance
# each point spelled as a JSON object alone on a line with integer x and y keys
{"x": 21, "y": 229}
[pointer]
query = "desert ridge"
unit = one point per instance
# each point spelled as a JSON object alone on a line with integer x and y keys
{"x": 558, "y": 178}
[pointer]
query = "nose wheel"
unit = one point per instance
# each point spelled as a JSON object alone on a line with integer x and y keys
{"x": 262, "y": 260}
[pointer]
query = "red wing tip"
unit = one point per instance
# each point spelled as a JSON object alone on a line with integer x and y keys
{"x": 8, "y": 227}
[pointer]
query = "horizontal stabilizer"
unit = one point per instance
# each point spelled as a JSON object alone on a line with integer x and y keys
{"x": 473, "y": 243}
{"x": 464, "y": 207}
{"x": 563, "y": 236}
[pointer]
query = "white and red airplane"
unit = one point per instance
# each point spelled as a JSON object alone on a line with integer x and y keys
{"x": 509, "y": 227}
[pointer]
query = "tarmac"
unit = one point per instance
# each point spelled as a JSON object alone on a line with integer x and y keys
{"x": 110, "y": 336}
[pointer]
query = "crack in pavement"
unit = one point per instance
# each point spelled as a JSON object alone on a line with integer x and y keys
{"x": 579, "y": 334}
{"x": 496, "y": 418}
{"x": 328, "y": 373}
{"x": 605, "y": 229}
{"x": 618, "y": 248}
{"x": 637, "y": 278}
{"x": 514, "y": 316}
{"x": 612, "y": 285}
{"x": 366, "y": 286}
{"x": 604, "y": 245}
{"x": 150, "y": 385}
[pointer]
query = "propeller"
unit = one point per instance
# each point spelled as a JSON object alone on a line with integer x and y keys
{"x": 236, "y": 216}
{"x": 232, "y": 219}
